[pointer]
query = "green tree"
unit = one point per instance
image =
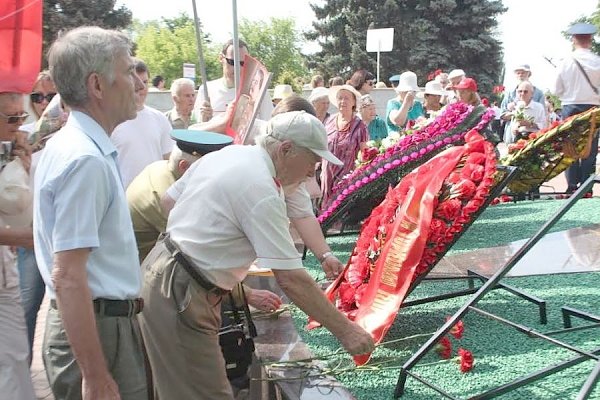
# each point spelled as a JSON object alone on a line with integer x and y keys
{"x": 165, "y": 46}
{"x": 62, "y": 15}
{"x": 429, "y": 35}
{"x": 276, "y": 44}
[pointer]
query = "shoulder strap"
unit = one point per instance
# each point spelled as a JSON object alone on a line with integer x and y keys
{"x": 587, "y": 78}
{"x": 251, "y": 327}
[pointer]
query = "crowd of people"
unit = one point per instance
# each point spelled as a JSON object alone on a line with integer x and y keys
{"x": 137, "y": 228}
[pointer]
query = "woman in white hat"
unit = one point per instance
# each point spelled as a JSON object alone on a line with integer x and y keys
{"x": 346, "y": 136}
{"x": 433, "y": 96}
{"x": 319, "y": 98}
{"x": 403, "y": 108}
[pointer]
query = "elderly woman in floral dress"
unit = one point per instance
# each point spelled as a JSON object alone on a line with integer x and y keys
{"x": 346, "y": 136}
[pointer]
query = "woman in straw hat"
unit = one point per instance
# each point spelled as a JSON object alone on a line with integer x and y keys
{"x": 346, "y": 136}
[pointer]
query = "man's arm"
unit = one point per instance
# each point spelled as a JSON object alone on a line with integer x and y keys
{"x": 74, "y": 300}
{"x": 303, "y": 291}
{"x": 21, "y": 237}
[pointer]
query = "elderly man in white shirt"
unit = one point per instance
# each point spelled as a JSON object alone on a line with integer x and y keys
{"x": 577, "y": 82}
{"x": 231, "y": 213}
{"x": 528, "y": 115}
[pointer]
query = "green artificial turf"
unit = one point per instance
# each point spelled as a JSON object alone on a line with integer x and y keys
{"x": 501, "y": 353}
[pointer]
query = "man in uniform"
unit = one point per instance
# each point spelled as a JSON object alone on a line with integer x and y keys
{"x": 145, "y": 191}
{"x": 577, "y": 82}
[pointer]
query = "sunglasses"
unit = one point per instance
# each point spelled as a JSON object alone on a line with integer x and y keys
{"x": 14, "y": 119}
{"x": 37, "y": 97}
{"x": 231, "y": 62}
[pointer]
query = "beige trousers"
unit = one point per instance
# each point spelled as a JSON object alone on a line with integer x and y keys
{"x": 180, "y": 325}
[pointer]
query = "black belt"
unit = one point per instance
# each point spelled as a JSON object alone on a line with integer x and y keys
{"x": 114, "y": 308}
{"x": 192, "y": 272}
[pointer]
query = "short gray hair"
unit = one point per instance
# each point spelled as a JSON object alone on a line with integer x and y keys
{"x": 81, "y": 52}
{"x": 177, "y": 155}
{"x": 179, "y": 83}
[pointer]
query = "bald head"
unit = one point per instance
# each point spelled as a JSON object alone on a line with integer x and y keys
{"x": 525, "y": 91}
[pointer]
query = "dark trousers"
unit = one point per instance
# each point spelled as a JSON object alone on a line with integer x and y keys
{"x": 580, "y": 170}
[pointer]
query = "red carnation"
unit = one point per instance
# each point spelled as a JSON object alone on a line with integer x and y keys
{"x": 457, "y": 330}
{"x": 465, "y": 360}
{"x": 444, "y": 348}
{"x": 464, "y": 189}
{"x": 476, "y": 158}
{"x": 473, "y": 172}
{"x": 472, "y": 206}
{"x": 454, "y": 177}
{"x": 449, "y": 209}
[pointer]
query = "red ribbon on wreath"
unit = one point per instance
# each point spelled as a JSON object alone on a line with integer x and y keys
{"x": 391, "y": 249}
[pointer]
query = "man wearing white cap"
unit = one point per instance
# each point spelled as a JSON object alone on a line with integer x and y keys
{"x": 454, "y": 78}
{"x": 509, "y": 102}
{"x": 577, "y": 82}
{"x": 231, "y": 213}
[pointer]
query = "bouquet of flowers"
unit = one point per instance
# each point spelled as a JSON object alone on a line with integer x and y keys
{"x": 411, "y": 230}
{"x": 355, "y": 196}
{"x": 540, "y": 156}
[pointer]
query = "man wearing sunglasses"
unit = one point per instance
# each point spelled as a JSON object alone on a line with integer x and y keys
{"x": 15, "y": 380}
{"x": 222, "y": 91}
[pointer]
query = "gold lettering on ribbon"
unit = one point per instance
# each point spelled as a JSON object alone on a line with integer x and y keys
{"x": 380, "y": 300}
{"x": 397, "y": 254}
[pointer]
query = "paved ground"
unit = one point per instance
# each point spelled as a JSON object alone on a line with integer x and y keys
{"x": 38, "y": 373}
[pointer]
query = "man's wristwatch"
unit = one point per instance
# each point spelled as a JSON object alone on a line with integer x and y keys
{"x": 325, "y": 256}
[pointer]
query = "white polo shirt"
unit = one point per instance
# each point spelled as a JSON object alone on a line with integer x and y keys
{"x": 141, "y": 141}
{"x": 232, "y": 213}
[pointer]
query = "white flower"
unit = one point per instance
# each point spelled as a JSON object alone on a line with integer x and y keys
{"x": 394, "y": 136}
{"x": 521, "y": 104}
{"x": 386, "y": 142}
{"x": 371, "y": 143}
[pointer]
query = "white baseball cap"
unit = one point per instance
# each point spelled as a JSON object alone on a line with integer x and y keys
{"x": 304, "y": 130}
{"x": 455, "y": 73}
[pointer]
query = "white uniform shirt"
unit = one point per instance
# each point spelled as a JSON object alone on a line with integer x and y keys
{"x": 220, "y": 96}
{"x": 141, "y": 141}
{"x": 571, "y": 86}
{"x": 232, "y": 213}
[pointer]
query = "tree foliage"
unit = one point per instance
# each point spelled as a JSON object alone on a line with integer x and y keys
{"x": 62, "y": 15}
{"x": 165, "y": 46}
{"x": 276, "y": 44}
{"x": 429, "y": 35}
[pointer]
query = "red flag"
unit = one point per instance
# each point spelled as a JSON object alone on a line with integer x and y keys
{"x": 21, "y": 49}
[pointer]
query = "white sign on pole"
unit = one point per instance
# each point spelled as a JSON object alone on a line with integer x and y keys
{"x": 189, "y": 71}
{"x": 379, "y": 40}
